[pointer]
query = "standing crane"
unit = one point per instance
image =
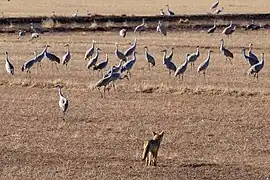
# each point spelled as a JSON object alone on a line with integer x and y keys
{"x": 63, "y": 101}
{"x": 250, "y": 53}
{"x": 182, "y": 68}
{"x": 140, "y": 27}
{"x": 228, "y": 54}
{"x": 256, "y": 68}
{"x": 67, "y": 56}
{"x": 102, "y": 64}
{"x": 28, "y": 64}
{"x": 127, "y": 66}
{"x": 104, "y": 81}
{"x": 161, "y": 29}
{"x": 249, "y": 59}
{"x": 92, "y": 62}
{"x": 119, "y": 54}
{"x": 53, "y": 58}
{"x": 168, "y": 64}
{"x": 149, "y": 58}
{"x": 132, "y": 49}
{"x": 229, "y": 29}
{"x": 204, "y": 65}
{"x": 90, "y": 51}
{"x": 169, "y": 12}
{"x": 212, "y": 29}
{"x": 193, "y": 57}
{"x": 8, "y": 65}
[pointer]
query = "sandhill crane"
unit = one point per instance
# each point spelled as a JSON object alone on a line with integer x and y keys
{"x": 212, "y": 29}
{"x": 21, "y": 33}
{"x": 228, "y": 54}
{"x": 161, "y": 29}
{"x": 92, "y": 62}
{"x": 114, "y": 68}
{"x": 252, "y": 26}
{"x": 193, "y": 57}
{"x": 76, "y": 13}
{"x": 127, "y": 66}
{"x": 40, "y": 56}
{"x": 67, "y": 56}
{"x": 149, "y": 58}
{"x": 102, "y": 64}
{"x": 104, "y": 81}
{"x": 34, "y": 36}
{"x": 249, "y": 59}
{"x": 119, "y": 54}
{"x": 218, "y": 11}
{"x": 36, "y": 29}
{"x": 28, "y": 64}
{"x": 256, "y": 68}
{"x": 228, "y": 30}
{"x": 214, "y": 5}
{"x": 90, "y": 51}
{"x": 168, "y": 64}
{"x": 8, "y": 65}
{"x": 123, "y": 32}
{"x": 170, "y": 56}
{"x": 63, "y": 102}
{"x": 250, "y": 53}
{"x": 169, "y": 12}
{"x": 204, "y": 65}
{"x": 132, "y": 49}
{"x": 53, "y": 58}
{"x": 162, "y": 13}
{"x": 182, "y": 68}
{"x": 140, "y": 27}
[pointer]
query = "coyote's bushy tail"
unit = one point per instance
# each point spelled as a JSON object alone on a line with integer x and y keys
{"x": 145, "y": 150}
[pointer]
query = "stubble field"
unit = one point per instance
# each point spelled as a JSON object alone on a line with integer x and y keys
{"x": 218, "y": 129}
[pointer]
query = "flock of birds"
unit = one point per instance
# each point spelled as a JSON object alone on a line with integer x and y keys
{"x": 127, "y": 59}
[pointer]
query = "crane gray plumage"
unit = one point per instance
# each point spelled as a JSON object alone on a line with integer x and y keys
{"x": 170, "y": 56}
{"x": 229, "y": 29}
{"x": 90, "y": 51}
{"x": 228, "y": 54}
{"x": 63, "y": 101}
{"x": 214, "y": 5}
{"x": 119, "y": 54}
{"x": 193, "y": 57}
{"x": 149, "y": 58}
{"x": 117, "y": 76}
{"x": 204, "y": 65}
{"x": 92, "y": 62}
{"x": 34, "y": 36}
{"x": 132, "y": 49}
{"x": 212, "y": 29}
{"x": 52, "y": 57}
{"x": 169, "y": 12}
{"x": 256, "y": 68}
{"x": 101, "y": 65}
{"x": 28, "y": 64}
{"x": 249, "y": 59}
{"x": 182, "y": 68}
{"x": 9, "y": 67}
{"x": 161, "y": 29}
{"x": 162, "y": 13}
{"x": 251, "y": 54}
{"x": 103, "y": 82}
{"x": 140, "y": 27}
{"x": 168, "y": 64}
{"x": 252, "y": 26}
{"x": 127, "y": 66}
{"x": 123, "y": 32}
{"x": 67, "y": 56}
{"x": 21, "y": 33}
{"x": 114, "y": 68}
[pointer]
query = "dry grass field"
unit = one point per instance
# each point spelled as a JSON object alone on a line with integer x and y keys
{"x": 214, "y": 129}
{"x": 129, "y": 7}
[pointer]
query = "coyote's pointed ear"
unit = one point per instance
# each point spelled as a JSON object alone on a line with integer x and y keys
{"x": 162, "y": 133}
{"x": 154, "y": 133}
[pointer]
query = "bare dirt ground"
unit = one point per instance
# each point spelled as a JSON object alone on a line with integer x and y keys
{"x": 213, "y": 130}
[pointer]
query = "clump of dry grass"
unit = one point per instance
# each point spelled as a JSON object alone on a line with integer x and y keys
{"x": 110, "y": 24}
{"x": 48, "y": 23}
{"x": 93, "y": 25}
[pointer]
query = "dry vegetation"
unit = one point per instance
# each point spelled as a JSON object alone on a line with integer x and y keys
{"x": 213, "y": 130}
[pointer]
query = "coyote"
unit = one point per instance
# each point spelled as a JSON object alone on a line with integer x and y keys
{"x": 151, "y": 147}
